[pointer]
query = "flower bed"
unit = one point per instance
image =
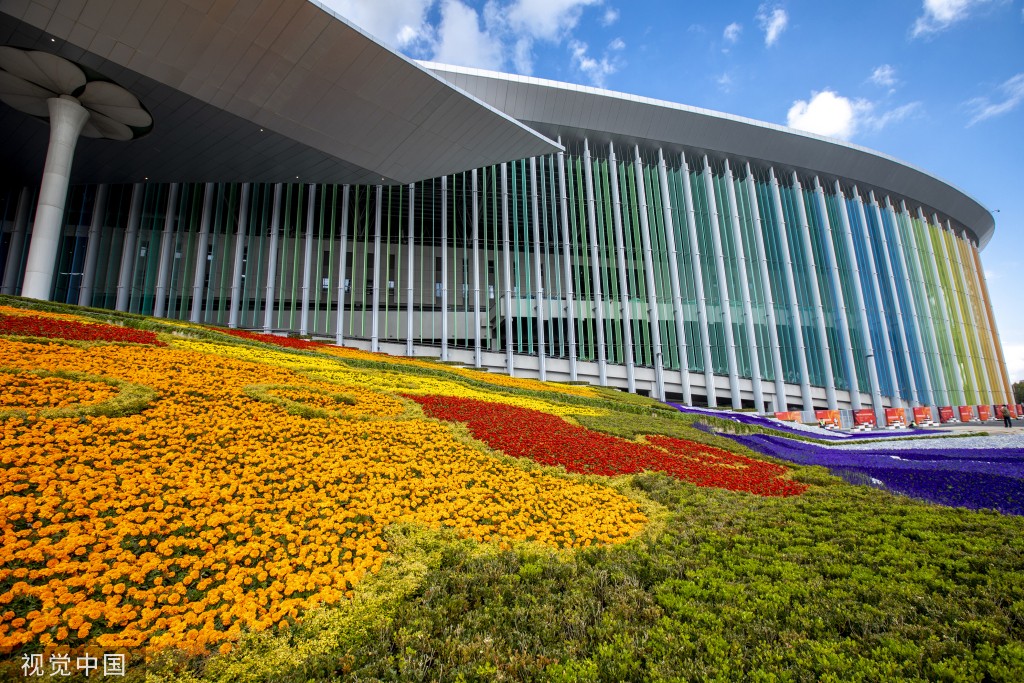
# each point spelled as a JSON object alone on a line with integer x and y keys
{"x": 989, "y": 478}
{"x": 550, "y": 440}
{"x": 211, "y": 512}
{"x": 23, "y": 325}
{"x": 276, "y": 340}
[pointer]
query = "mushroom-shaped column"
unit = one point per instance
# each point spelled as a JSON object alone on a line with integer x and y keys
{"x": 77, "y": 102}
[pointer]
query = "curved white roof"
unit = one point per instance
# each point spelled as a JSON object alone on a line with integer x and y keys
{"x": 569, "y": 110}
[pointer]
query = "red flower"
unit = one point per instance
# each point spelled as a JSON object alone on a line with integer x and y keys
{"x": 287, "y": 342}
{"x": 549, "y": 440}
{"x": 54, "y": 328}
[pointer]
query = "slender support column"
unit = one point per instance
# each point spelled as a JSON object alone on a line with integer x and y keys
{"x": 411, "y": 290}
{"x": 970, "y": 314}
{"x": 716, "y": 243}
{"x": 339, "y": 333}
{"x": 625, "y": 303}
{"x": 897, "y": 308}
{"x": 202, "y": 247}
{"x": 444, "y": 267}
{"x": 780, "y": 402}
{"x": 862, "y": 310}
{"x": 375, "y": 306}
{"x": 652, "y": 292}
{"x": 595, "y": 267}
{"x": 698, "y": 283}
{"x": 13, "y": 264}
{"x": 794, "y": 308}
{"x": 570, "y": 298}
{"x": 236, "y": 271}
{"x": 915, "y": 397}
{"x": 67, "y": 117}
{"x": 955, "y": 392}
{"x": 128, "y": 252}
{"x": 509, "y": 355}
{"x": 477, "y": 351}
{"x": 275, "y": 236}
{"x": 958, "y": 313}
{"x": 819, "y": 309}
{"x": 745, "y": 293}
{"x": 163, "y": 273}
{"x": 938, "y": 380}
{"x": 537, "y": 272}
{"x": 99, "y": 210}
{"x": 307, "y": 261}
{"x": 894, "y": 400}
{"x": 673, "y": 274}
{"x": 997, "y": 350}
{"x": 929, "y": 388}
{"x": 845, "y": 342}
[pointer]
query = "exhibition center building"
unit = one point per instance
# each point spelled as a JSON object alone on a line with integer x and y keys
{"x": 265, "y": 165}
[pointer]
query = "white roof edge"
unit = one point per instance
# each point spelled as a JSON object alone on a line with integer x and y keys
{"x": 984, "y": 231}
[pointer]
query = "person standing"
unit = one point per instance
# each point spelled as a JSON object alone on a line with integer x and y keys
{"x": 1006, "y": 416}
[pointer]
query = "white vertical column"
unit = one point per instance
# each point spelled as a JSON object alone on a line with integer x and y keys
{"x": 832, "y": 269}
{"x": 745, "y": 293}
{"x": 444, "y": 267}
{"x": 275, "y": 236}
{"x": 625, "y": 304}
{"x": 894, "y": 400}
{"x": 570, "y": 298}
{"x": 163, "y": 273}
{"x": 958, "y": 377}
{"x": 595, "y": 267}
{"x": 67, "y": 117}
{"x": 236, "y": 271}
{"x": 862, "y": 311}
{"x": 307, "y": 261}
{"x": 958, "y": 312}
{"x": 911, "y": 269}
{"x": 726, "y": 295}
{"x": 538, "y": 271}
{"x": 780, "y": 402}
{"x": 509, "y": 356}
{"x": 953, "y": 393}
{"x": 201, "y": 248}
{"x": 477, "y": 351}
{"x": 698, "y": 283}
{"x": 796, "y": 323}
{"x": 410, "y": 288}
{"x": 993, "y": 333}
{"x": 938, "y": 381}
{"x": 129, "y": 253}
{"x": 339, "y": 333}
{"x": 673, "y": 274}
{"x": 819, "y": 308}
{"x": 971, "y": 315}
{"x": 901, "y": 323}
{"x": 99, "y": 209}
{"x": 375, "y": 307}
{"x": 652, "y": 292}
{"x": 13, "y": 264}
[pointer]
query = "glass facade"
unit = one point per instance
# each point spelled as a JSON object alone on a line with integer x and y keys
{"x": 562, "y": 259}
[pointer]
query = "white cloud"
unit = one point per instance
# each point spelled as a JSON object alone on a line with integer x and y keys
{"x": 773, "y": 21}
{"x": 617, "y": 44}
{"x": 731, "y": 34}
{"x": 546, "y": 19}
{"x": 399, "y": 23}
{"x": 884, "y": 76}
{"x": 461, "y": 40}
{"x": 611, "y": 15}
{"x": 1011, "y": 94}
{"x": 596, "y": 70}
{"x": 1014, "y": 355}
{"x": 724, "y": 82}
{"x": 829, "y": 113}
{"x": 941, "y": 14}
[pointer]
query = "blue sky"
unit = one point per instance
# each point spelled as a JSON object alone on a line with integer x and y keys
{"x": 936, "y": 83}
